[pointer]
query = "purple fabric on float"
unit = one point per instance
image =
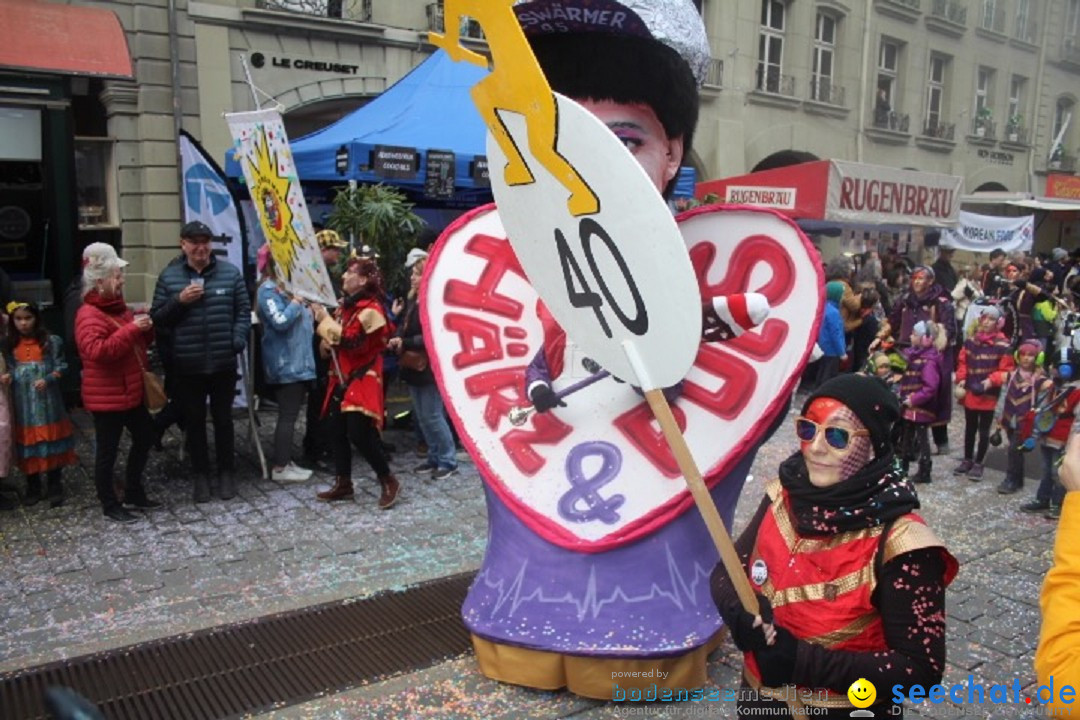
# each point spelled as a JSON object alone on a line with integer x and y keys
{"x": 650, "y": 598}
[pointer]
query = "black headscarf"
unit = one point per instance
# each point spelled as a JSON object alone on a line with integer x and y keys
{"x": 877, "y": 494}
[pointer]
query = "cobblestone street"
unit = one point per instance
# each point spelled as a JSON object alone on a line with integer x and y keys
{"x": 75, "y": 583}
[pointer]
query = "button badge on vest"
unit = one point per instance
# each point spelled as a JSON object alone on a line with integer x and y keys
{"x": 759, "y": 572}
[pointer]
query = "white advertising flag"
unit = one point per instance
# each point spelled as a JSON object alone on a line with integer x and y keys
{"x": 983, "y": 233}
{"x": 262, "y": 149}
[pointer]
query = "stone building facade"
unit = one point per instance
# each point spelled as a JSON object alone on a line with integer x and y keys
{"x": 977, "y": 88}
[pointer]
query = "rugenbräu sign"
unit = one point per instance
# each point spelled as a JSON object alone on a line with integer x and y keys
{"x": 847, "y": 192}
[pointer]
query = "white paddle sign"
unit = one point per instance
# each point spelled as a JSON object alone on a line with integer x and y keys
{"x": 615, "y": 279}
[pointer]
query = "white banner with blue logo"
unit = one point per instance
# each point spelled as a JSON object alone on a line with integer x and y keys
{"x": 207, "y": 199}
{"x": 983, "y": 233}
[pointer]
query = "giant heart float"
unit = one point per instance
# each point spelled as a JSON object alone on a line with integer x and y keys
{"x": 591, "y": 549}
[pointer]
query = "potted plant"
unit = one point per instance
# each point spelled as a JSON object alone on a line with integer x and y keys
{"x": 381, "y": 217}
{"x": 1012, "y": 128}
{"x": 982, "y": 121}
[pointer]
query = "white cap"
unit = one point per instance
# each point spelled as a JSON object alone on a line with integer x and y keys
{"x": 101, "y": 256}
{"x": 415, "y": 255}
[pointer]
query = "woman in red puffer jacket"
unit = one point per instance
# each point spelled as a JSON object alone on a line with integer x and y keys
{"x": 112, "y": 344}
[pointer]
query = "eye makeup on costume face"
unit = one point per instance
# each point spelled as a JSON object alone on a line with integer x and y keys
{"x": 630, "y": 134}
{"x": 639, "y": 129}
{"x": 838, "y": 438}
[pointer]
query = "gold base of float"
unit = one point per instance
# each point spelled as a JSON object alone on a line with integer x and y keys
{"x": 591, "y": 677}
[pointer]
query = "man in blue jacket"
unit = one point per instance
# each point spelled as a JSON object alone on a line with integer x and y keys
{"x": 203, "y": 301}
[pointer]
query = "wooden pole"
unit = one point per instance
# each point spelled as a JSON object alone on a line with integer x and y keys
{"x": 675, "y": 440}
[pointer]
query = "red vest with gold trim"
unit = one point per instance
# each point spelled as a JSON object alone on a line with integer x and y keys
{"x": 820, "y": 587}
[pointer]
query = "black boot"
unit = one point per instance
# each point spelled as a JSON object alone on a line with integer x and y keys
{"x": 33, "y": 490}
{"x": 923, "y": 476}
{"x": 55, "y": 489}
{"x": 227, "y": 485}
{"x": 202, "y": 487}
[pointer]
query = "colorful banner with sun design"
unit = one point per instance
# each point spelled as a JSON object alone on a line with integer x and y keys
{"x": 261, "y": 147}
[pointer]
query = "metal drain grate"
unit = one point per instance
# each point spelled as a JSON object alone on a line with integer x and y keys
{"x": 269, "y": 662}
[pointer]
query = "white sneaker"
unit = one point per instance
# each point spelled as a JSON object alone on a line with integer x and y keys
{"x": 290, "y": 473}
{"x": 299, "y": 469}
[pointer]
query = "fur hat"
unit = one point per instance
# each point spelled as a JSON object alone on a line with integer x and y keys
{"x": 674, "y": 23}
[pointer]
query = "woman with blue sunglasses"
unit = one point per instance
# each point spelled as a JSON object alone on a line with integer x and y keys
{"x": 851, "y": 582}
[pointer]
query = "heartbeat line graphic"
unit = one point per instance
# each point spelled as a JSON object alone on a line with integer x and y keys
{"x": 681, "y": 591}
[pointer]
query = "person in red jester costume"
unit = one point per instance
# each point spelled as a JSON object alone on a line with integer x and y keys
{"x": 851, "y": 582}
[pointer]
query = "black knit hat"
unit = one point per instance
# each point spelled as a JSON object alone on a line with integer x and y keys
{"x": 871, "y": 401}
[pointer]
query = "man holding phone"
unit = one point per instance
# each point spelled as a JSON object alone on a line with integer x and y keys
{"x": 203, "y": 301}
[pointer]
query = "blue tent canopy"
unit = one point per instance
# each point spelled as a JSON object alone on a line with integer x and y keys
{"x": 427, "y": 115}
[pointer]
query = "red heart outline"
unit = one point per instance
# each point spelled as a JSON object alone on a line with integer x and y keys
{"x": 750, "y": 344}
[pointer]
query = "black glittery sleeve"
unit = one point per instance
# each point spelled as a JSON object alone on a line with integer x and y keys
{"x": 912, "y": 607}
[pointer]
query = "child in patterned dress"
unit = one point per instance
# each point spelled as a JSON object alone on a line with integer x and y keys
{"x": 5, "y": 412}
{"x": 44, "y": 442}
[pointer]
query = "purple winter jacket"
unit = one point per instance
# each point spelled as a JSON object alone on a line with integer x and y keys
{"x": 920, "y": 384}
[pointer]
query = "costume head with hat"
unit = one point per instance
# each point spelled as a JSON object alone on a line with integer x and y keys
{"x": 648, "y": 54}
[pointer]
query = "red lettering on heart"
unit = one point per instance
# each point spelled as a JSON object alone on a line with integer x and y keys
{"x": 746, "y": 255}
{"x": 640, "y": 428}
{"x": 738, "y": 381}
{"x": 479, "y": 340}
{"x": 764, "y": 343}
{"x": 483, "y": 295}
{"x": 503, "y": 389}
{"x": 546, "y": 430}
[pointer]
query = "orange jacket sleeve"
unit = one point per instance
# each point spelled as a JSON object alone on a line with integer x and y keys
{"x": 1058, "y": 654}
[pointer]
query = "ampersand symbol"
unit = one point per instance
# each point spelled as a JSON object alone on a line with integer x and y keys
{"x": 585, "y": 489}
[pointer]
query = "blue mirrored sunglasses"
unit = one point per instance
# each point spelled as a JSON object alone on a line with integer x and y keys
{"x": 838, "y": 438}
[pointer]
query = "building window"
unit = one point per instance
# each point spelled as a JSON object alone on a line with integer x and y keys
{"x": 771, "y": 46}
{"x": 824, "y": 53}
{"x": 1062, "y": 114}
{"x": 95, "y": 182}
{"x": 887, "y": 90}
{"x": 935, "y": 95}
{"x": 1024, "y": 31}
{"x": 1014, "y": 121}
{"x": 888, "y": 76}
{"x": 1072, "y": 18}
{"x": 984, "y": 116}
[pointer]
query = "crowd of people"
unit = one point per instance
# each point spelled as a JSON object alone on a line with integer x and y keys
{"x": 199, "y": 322}
{"x": 992, "y": 339}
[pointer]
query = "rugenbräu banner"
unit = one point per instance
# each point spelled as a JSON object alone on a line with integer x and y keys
{"x": 261, "y": 147}
{"x": 983, "y": 233}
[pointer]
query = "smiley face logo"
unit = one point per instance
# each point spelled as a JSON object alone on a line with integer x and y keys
{"x": 862, "y": 693}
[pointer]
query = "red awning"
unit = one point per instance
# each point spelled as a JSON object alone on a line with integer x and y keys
{"x": 846, "y": 192}
{"x": 68, "y": 39}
